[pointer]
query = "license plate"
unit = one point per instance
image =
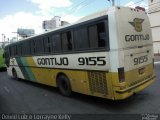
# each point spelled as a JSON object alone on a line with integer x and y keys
{"x": 141, "y": 71}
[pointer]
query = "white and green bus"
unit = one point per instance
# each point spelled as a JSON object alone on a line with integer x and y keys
{"x": 108, "y": 54}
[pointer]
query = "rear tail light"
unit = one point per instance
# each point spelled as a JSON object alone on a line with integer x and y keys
{"x": 121, "y": 74}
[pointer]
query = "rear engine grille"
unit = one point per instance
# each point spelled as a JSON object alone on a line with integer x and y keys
{"x": 98, "y": 82}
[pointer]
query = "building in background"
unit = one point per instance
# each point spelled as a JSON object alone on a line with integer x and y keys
{"x": 23, "y": 33}
{"x": 64, "y": 23}
{"x": 154, "y": 15}
{"x": 53, "y": 23}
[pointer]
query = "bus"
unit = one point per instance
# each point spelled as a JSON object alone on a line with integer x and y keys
{"x": 2, "y": 60}
{"x": 108, "y": 54}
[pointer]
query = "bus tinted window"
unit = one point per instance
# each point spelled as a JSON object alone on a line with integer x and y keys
{"x": 81, "y": 38}
{"x": 47, "y": 45}
{"x": 26, "y": 48}
{"x": 16, "y": 50}
{"x": 19, "y": 47}
{"x": 56, "y": 43}
{"x": 39, "y": 46}
{"x": 23, "y": 48}
{"x": 101, "y": 34}
{"x": 97, "y": 35}
{"x": 10, "y": 53}
{"x": 33, "y": 47}
{"x": 67, "y": 41}
{"x": 93, "y": 36}
{"x": 12, "y": 50}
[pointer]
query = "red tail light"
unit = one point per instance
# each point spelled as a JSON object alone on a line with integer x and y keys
{"x": 121, "y": 74}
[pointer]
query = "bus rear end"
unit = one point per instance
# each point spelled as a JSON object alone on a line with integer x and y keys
{"x": 135, "y": 61}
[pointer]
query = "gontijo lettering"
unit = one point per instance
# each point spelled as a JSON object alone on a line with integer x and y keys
{"x": 140, "y": 37}
{"x": 53, "y": 61}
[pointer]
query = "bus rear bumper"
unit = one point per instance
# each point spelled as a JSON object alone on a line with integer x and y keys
{"x": 125, "y": 93}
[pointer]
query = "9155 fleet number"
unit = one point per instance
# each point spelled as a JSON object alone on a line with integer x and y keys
{"x": 100, "y": 61}
{"x": 140, "y": 60}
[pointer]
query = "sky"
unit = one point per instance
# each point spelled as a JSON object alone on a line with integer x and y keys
{"x": 30, "y": 14}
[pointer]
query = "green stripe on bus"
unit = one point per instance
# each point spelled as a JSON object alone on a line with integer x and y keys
{"x": 20, "y": 64}
{"x": 26, "y": 71}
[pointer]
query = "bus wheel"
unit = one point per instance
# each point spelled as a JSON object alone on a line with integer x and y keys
{"x": 64, "y": 85}
{"x": 14, "y": 73}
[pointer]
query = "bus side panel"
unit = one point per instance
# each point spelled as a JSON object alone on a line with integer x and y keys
{"x": 85, "y": 82}
{"x": 94, "y": 83}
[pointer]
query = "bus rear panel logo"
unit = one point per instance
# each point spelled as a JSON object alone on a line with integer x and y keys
{"x": 137, "y": 24}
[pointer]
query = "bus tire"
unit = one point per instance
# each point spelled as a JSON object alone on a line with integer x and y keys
{"x": 14, "y": 73}
{"x": 64, "y": 85}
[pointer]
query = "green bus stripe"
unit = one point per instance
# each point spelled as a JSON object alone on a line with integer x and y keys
{"x": 20, "y": 64}
{"x": 26, "y": 71}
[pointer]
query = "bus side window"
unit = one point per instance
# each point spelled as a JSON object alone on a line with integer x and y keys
{"x": 97, "y": 35}
{"x": 81, "y": 38}
{"x": 19, "y": 49}
{"x": 26, "y": 48}
{"x": 39, "y": 46}
{"x": 16, "y": 50}
{"x": 67, "y": 41}
{"x": 23, "y": 49}
{"x": 47, "y": 45}
{"x": 12, "y": 50}
{"x": 56, "y": 43}
{"x": 101, "y": 34}
{"x": 93, "y": 36}
{"x": 33, "y": 47}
